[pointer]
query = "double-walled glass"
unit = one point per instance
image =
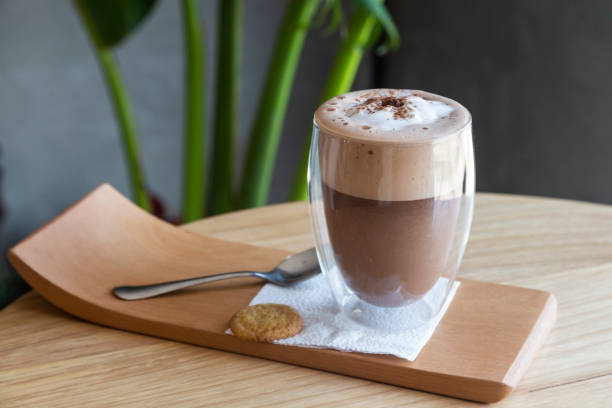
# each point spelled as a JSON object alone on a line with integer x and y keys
{"x": 391, "y": 221}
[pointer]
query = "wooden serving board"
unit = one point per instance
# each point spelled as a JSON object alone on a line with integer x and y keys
{"x": 479, "y": 351}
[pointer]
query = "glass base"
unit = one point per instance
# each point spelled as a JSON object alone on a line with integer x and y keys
{"x": 416, "y": 313}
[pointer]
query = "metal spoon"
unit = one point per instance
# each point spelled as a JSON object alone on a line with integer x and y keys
{"x": 295, "y": 268}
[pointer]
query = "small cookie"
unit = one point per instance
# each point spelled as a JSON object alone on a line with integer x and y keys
{"x": 266, "y": 322}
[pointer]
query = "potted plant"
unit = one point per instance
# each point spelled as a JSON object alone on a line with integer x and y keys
{"x": 207, "y": 187}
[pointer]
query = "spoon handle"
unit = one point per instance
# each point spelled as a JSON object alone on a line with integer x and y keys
{"x": 147, "y": 291}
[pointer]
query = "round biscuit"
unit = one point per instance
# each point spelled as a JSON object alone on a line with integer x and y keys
{"x": 266, "y": 322}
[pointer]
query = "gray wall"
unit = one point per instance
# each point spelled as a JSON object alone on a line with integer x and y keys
{"x": 536, "y": 76}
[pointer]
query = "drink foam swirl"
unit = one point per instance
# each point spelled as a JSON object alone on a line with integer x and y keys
{"x": 392, "y": 115}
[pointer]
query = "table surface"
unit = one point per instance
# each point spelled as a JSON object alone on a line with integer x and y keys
{"x": 48, "y": 358}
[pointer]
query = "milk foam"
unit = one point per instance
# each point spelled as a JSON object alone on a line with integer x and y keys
{"x": 394, "y": 145}
{"x": 396, "y": 115}
{"x": 422, "y": 112}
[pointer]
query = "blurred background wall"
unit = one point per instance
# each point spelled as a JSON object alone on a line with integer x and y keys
{"x": 534, "y": 74}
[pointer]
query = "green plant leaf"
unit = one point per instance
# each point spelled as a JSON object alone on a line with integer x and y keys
{"x": 194, "y": 164}
{"x": 324, "y": 10}
{"x": 335, "y": 8}
{"x": 362, "y": 26}
{"x": 336, "y": 19}
{"x": 375, "y": 37}
{"x": 116, "y": 19}
{"x": 226, "y": 107}
{"x": 121, "y": 106}
{"x": 378, "y": 9}
{"x": 265, "y": 136}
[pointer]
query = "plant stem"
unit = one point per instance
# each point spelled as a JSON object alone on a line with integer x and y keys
{"x": 122, "y": 109}
{"x": 227, "y": 104}
{"x": 270, "y": 117}
{"x": 194, "y": 167}
{"x": 340, "y": 80}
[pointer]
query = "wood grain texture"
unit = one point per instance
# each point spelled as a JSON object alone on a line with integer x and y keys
{"x": 51, "y": 359}
{"x": 479, "y": 351}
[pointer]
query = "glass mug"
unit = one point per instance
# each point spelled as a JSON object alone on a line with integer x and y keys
{"x": 390, "y": 218}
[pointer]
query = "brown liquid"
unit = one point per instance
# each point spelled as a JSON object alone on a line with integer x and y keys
{"x": 390, "y": 252}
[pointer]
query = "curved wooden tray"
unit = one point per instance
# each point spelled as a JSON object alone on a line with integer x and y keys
{"x": 479, "y": 351}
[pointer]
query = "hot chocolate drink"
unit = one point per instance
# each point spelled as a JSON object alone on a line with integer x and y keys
{"x": 393, "y": 168}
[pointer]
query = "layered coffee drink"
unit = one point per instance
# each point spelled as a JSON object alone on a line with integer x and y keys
{"x": 393, "y": 170}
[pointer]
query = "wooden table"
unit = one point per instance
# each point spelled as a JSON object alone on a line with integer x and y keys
{"x": 48, "y": 358}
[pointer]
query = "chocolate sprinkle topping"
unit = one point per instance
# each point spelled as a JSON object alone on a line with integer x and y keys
{"x": 389, "y": 101}
{"x": 399, "y": 105}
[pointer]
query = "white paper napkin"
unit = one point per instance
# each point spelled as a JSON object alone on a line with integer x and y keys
{"x": 325, "y": 327}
